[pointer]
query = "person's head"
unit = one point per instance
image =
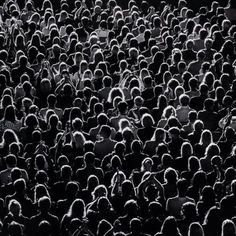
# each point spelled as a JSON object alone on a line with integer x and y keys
{"x": 189, "y": 210}
{"x": 131, "y": 207}
{"x": 115, "y": 162}
{"x": 138, "y": 101}
{"x": 208, "y": 43}
{"x": 9, "y": 114}
{"x": 228, "y": 228}
{"x": 45, "y": 85}
{"x": 23, "y": 61}
{"x": 14, "y": 207}
{"x": 40, "y": 191}
{"x": 209, "y": 79}
{"x": 8, "y": 137}
{"x": 105, "y": 131}
{"x": 193, "y": 164}
{"x": 77, "y": 124}
{"x": 51, "y": 100}
{"x": 119, "y": 174}
{"x": 79, "y": 139}
{"x": 212, "y": 150}
{"x": 201, "y": 55}
{"x": 146, "y": 164}
{"x": 169, "y": 226}
{"x": 99, "y": 191}
{"x": 92, "y": 182}
{"x": 184, "y": 100}
{"x": 15, "y": 174}
{"x": 102, "y": 119}
{"x": 89, "y": 158}
{"x": 192, "y": 116}
{"x": 213, "y": 217}
{"x": 115, "y": 92}
{"x": 170, "y": 175}
{"x": 182, "y": 186}
{"x": 186, "y": 149}
{"x": 195, "y": 229}
{"x": 19, "y": 186}
{"x": 147, "y": 120}
{"x": 15, "y": 229}
{"x": 66, "y": 172}
{"x": 127, "y": 188}
{"x": 77, "y": 209}
{"x": 103, "y": 205}
{"x": 174, "y": 132}
{"x": 206, "y": 138}
{"x": 198, "y": 126}
{"x": 44, "y": 204}
{"x": 168, "y": 112}
{"x": 189, "y": 44}
{"x": 159, "y": 135}
{"x": 41, "y": 177}
{"x": 11, "y": 161}
{"x": 208, "y": 195}
{"x": 53, "y": 121}
{"x": 103, "y": 227}
{"x": 119, "y": 148}
{"x": 45, "y": 228}
{"x": 136, "y": 146}
{"x": 107, "y": 81}
{"x": 135, "y": 225}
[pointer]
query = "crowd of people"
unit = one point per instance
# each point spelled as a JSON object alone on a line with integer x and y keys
{"x": 117, "y": 118}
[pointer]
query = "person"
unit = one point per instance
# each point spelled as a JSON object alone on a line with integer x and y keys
{"x": 44, "y": 205}
{"x": 183, "y": 110}
{"x": 5, "y": 175}
{"x": 147, "y": 130}
{"x": 89, "y": 168}
{"x": 174, "y": 204}
{"x": 15, "y": 215}
{"x": 208, "y": 116}
{"x": 76, "y": 211}
{"x": 106, "y": 144}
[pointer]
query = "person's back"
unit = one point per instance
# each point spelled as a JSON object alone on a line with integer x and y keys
{"x": 44, "y": 205}
{"x": 83, "y": 174}
{"x": 174, "y": 204}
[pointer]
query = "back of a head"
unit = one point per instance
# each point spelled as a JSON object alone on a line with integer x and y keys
{"x": 89, "y": 158}
{"x": 122, "y": 107}
{"x": 135, "y": 225}
{"x": 182, "y": 186}
{"x": 228, "y": 228}
{"x": 44, "y": 228}
{"x": 44, "y": 204}
{"x": 11, "y": 160}
{"x": 105, "y": 131}
{"x": 195, "y": 229}
{"x": 15, "y": 229}
{"x": 20, "y": 185}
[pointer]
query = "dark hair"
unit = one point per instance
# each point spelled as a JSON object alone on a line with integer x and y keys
{"x": 9, "y": 114}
